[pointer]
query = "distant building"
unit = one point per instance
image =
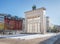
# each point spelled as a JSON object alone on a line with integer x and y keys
{"x": 47, "y": 23}
{"x": 35, "y": 20}
{"x": 1, "y": 22}
{"x": 23, "y": 25}
{"x": 8, "y": 22}
{"x": 51, "y": 26}
{"x": 57, "y": 27}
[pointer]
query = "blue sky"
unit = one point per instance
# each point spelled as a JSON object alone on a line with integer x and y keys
{"x": 18, "y": 7}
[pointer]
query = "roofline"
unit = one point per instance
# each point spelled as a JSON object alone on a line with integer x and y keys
{"x": 36, "y": 9}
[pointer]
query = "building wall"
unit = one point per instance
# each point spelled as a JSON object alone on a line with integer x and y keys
{"x": 12, "y": 24}
{"x": 23, "y": 25}
{"x": 16, "y": 25}
{"x": 33, "y": 25}
{"x": 1, "y": 22}
{"x": 20, "y": 24}
{"x": 58, "y": 28}
{"x": 6, "y": 23}
{"x": 47, "y": 23}
{"x": 1, "y": 26}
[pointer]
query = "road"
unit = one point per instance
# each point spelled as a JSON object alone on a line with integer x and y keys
{"x": 52, "y": 40}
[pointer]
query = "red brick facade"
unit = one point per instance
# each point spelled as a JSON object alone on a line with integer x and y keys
{"x": 12, "y": 24}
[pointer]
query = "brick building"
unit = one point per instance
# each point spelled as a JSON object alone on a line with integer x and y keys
{"x": 9, "y": 22}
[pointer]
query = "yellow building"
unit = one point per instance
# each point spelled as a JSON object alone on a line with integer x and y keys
{"x": 1, "y": 26}
{"x": 1, "y": 21}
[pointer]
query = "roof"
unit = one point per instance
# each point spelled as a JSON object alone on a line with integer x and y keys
{"x": 36, "y": 9}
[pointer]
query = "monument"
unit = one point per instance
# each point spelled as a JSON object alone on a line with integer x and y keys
{"x": 35, "y": 20}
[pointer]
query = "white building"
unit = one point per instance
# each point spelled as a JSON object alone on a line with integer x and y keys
{"x": 35, "y": 20}
{"x": 47, "y": 23}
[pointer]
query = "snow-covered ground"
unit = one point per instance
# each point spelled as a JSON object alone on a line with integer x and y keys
{"x": 51, "y": 40}
{"x": 28, "y": 36}
{"x": 34, "y": 36}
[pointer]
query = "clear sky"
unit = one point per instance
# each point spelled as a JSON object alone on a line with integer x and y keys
{"x": 18, "y": 7}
